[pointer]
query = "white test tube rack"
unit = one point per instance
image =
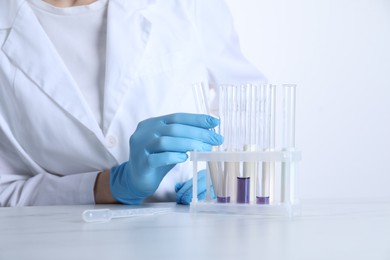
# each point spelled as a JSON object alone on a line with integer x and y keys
{"x": 281, "y": 197}
{"x": 278, "y": 206}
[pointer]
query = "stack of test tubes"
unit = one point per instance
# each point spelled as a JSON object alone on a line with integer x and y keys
{"x": 248, "y": 173}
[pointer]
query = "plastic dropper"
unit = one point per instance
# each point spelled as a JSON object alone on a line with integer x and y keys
{"x": 105, "y": 215}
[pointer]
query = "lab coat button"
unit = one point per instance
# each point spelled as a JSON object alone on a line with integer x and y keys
{"x": 111, "y": 141}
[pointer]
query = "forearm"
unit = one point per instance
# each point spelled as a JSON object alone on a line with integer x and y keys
{"x": 46, "y": 189}
{"x": 102, "y": 190}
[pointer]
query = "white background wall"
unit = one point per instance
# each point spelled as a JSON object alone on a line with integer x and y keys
{"x": 338, "y": 53}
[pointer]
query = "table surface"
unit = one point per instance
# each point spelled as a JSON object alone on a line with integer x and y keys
{"x": 324, "y": 230}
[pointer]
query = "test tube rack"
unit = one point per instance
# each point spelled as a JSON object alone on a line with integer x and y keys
{"x": 282, "y": 204}
{"x": 258, "y": 178}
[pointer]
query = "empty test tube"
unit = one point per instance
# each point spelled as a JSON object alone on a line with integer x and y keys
{"x": 288, "y": 141}
{"x": 202, "y": 103}
{"x": 201, "y": 99}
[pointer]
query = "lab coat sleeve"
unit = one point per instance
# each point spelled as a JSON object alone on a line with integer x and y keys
{"x": 221, "y": 49}
{"x": 20, "y": 186}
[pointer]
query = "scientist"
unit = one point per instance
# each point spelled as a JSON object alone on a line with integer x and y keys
{"x": 96, "y": 103}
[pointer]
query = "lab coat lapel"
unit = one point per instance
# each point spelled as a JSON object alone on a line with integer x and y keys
{"x": 32, "y": 52}
{"x": 127, "y": 35}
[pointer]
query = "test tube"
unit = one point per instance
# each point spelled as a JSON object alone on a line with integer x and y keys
{"x": 246, "y": 182}
{"x": 268, "y": 168}
{"x": 271, "y": 129}
{"x": 223, "y": 191}
{"x": 232, "y": 169}
{"x": 202, "y": 104}
{"x": 288, "y": 142}
{"x": 240, "y": 183}
{"x": 260, "y": 135}
{"x": 201, "y": 99}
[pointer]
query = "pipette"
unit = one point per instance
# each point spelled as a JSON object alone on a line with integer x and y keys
{"x": 105, "y": 215}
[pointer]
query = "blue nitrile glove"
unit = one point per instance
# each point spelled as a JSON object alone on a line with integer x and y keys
{"x": 184, "y": 189}
{"x": 156, "y": 146}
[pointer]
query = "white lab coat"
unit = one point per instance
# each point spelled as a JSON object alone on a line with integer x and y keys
{"x": 51, "y": 146}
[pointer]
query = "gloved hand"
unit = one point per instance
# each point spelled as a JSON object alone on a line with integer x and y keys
{"x": 156, "y": 146}
{"x": 184, "y": 189}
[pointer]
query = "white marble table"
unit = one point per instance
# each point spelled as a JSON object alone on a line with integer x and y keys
{"x": 325, "y": 230}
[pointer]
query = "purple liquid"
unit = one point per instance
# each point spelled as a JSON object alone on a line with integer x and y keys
{"x": 262, "y": 200}
{"x": 243, "y": 189}
{"x": 223, "y": 199}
